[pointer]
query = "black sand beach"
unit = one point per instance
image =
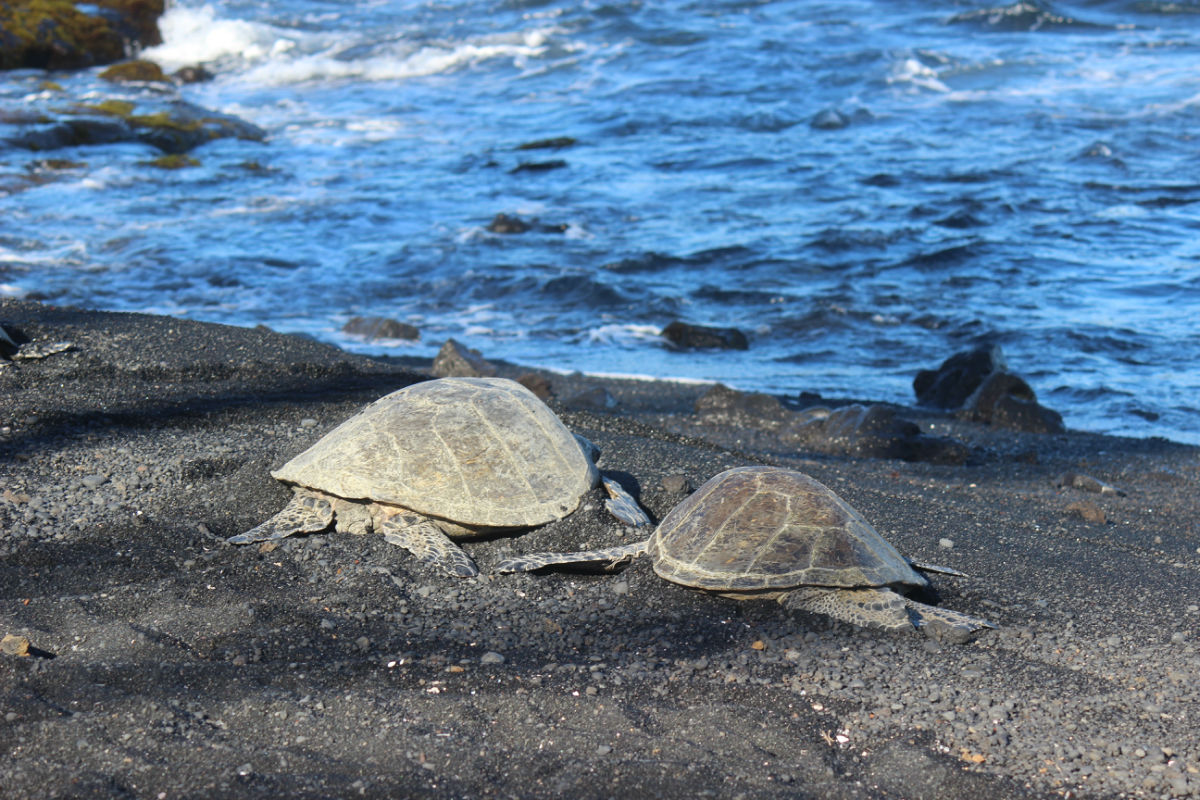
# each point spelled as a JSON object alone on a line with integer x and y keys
{"x": 162, "y": 662}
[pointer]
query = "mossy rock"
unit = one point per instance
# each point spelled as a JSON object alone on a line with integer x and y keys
{"x": 136, "y": 71}
{"x": 58, "y": 34}
{"x": 172, "y": 161}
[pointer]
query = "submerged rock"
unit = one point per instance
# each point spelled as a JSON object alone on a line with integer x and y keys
{"x": 686, "y": 336}
{"x": 503, "y": 223}
{"x": 553, "y": 143}
{"x": 380, "y": 328}
{"x": 172, "y": 126}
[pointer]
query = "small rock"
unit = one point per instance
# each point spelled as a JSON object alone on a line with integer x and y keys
{"x": 503, "y": 223}
{"x": 691, "y": 337}
{"x": 12, "y": 645}
{"x": 1088, "y": 484}
{"x": 554, "y": 143}
{"x": 603, "y": 750}
{"x": 92, "y": 481}
{"x": 456, "y": 361}
{"x": 946, "y": 543}
{"x": 195, "y": 74}
{"x": 491, "y": 657}
{"x": 1088, "y": 510}
{"x": 595, "y": 399}
{"x": 830, "y": 119}
{"x": 538, "y": 166}
{"x": 380, "y": 328}
{"x": 676, "y": 484}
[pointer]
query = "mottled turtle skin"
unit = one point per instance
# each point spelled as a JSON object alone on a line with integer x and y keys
{"x": 771, "y": 532}
{"x": 453, "y": 457}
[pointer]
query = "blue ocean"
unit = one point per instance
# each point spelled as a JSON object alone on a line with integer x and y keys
{"x": 863, "y": 187}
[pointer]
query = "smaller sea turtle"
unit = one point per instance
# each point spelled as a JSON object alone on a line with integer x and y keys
{"x": 769, "y": 532}
{"x": 448, "y": 457}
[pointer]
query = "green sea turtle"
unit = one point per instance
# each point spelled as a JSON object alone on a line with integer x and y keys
{"x": 448, "y": 457}
{"x": 776, "y": 533}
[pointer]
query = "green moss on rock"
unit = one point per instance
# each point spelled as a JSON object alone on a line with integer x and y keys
{"x": 136, "y": 71}
{"x": 56, "y": 34}
{"x": 173, "y": 161}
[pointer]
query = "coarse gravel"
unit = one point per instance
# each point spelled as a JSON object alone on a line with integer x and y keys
{"x": 164, "y": 662}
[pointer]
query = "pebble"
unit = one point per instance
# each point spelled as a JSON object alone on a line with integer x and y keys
{"x": 946, "y": 543}
{"x": 491, "y": 657}
{"x": 93, "y": 481}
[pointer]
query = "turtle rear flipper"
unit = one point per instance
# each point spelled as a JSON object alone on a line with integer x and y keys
{"x": 880, "y": 608}
{"x": 615, "y": 556}
{"x": 428, "y": 543}
{"x": 945, "y": 624}
{"x": 305, "y": 513}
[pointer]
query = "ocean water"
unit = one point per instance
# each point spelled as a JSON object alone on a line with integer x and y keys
{"x": 864, "y": 187}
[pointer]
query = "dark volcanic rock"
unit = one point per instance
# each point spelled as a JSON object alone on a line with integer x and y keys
{"x": 554, "y": 143}
{"x": 687, "y": 336}
{"x": 539, "y": 166}
{"x": 1006, "y": 401}
{"x": 952, "y": 383}
{"x": 456, "y": 361}
{"x": 876, "y": 431}
{"x": 725, "y": 406}
{"x": 380, "y": 328}
{"x": 196, "y": 74}
{"x": 873, "y": 431}
{"x": 829, "y": 120}
{"x": 503, "y": 223}
{"x": 172, "y": 126}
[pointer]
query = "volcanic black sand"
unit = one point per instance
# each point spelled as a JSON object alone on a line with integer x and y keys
{"x": 160, "y": 662}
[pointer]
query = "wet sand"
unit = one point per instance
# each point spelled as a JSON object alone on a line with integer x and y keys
{"x": 163, "y": 662}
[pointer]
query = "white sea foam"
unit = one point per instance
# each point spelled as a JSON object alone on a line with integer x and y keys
{"x": 197, "y": 35}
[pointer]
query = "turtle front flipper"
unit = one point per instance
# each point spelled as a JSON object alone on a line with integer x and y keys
{"x": 305, "y": 513}
{"x": 615, "y": 556}
{"x": 879, "y": 608}
{"x": 623, "y": 506}
{"x": 428, "y": 543}
{"x": 944, "y": 624}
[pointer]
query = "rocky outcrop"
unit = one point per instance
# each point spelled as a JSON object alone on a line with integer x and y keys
{"x": 380, "y": 328}
{"x": 60, "y": 34}
{"x": 455, "y": 360}
{"x": 171, "y": 125}
{"x": 871, "y": 431}
{"x": 978, "y": 385}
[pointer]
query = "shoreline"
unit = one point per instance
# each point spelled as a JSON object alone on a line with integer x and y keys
{"x": 335, "y": 665}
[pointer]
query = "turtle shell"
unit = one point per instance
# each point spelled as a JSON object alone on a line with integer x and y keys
{"x": 757, "y": 528}
{"x": 479, "y": 452}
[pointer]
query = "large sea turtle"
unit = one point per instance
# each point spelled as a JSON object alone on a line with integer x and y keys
{"x": 448, "y": 457}
{"x": 777, "y": 533}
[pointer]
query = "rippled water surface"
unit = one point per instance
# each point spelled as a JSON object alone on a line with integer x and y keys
{"x": 863, "y": 187}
